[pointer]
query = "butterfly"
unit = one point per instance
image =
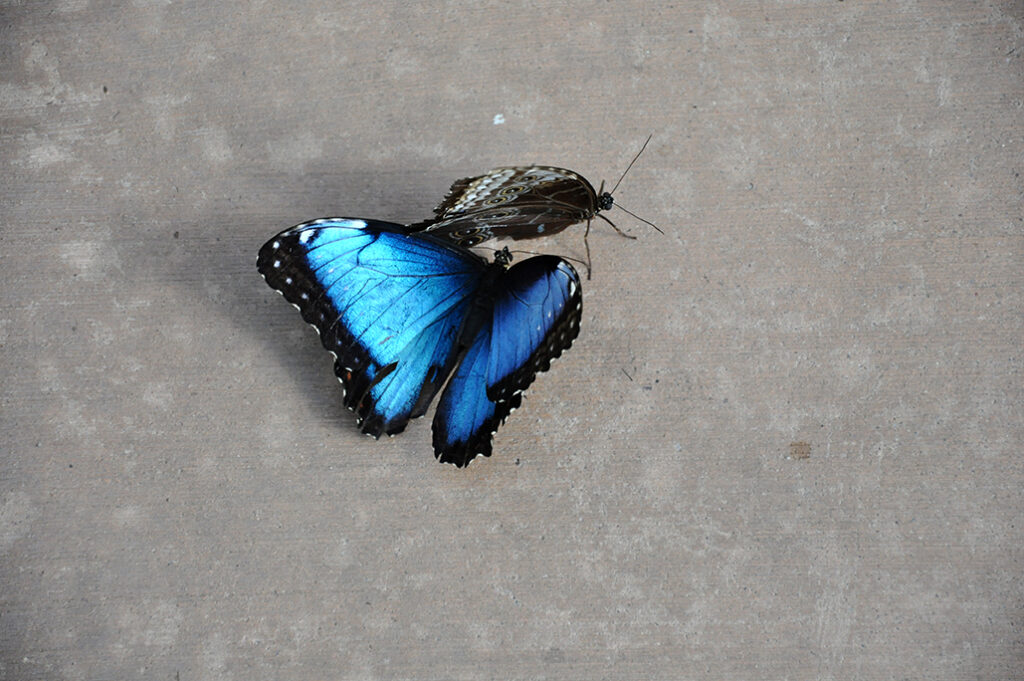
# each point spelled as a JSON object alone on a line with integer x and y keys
{"x": 521, "y": 202}
{"x": 404, "y": 313}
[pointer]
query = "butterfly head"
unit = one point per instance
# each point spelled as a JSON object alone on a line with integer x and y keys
{"x": 503, "y": 257}
{"x": 605, "y": 201}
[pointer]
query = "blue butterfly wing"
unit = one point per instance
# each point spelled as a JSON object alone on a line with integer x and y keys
{"x": 388, "y": 306}
{"x": 535, "y": 319}
{"x": 466, "y": 418}
{"x": 537, "y": 306}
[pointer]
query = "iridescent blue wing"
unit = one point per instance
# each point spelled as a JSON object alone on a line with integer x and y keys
{"x": 387, "y": 305}
{"x": 535, "y": 316}
{"x": 518, "y": 203}
{"x": 466, "y": 418}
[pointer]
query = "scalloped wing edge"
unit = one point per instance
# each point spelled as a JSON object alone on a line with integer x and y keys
{"x": 350, "y": 359}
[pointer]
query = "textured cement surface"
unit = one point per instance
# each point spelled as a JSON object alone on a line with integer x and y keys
{"x": 787, "y": 444}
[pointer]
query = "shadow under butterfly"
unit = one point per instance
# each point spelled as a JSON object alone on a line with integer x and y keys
{"x": 521, "y": 202}
{"x": 406, "y": 315}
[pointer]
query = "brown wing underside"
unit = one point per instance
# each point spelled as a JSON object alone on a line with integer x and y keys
{"x": 517, "y": 203}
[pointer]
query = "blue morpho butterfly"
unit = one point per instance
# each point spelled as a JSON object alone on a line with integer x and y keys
{"x": 524, "y": 202}
{"x": 402, "y": 313}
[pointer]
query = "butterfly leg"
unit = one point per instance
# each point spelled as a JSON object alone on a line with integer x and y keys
{"x": 586, "y": 243}
{"x": 616, "y": 227}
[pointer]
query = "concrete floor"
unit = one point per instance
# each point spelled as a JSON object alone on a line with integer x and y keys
{"x": 787, "y": 444}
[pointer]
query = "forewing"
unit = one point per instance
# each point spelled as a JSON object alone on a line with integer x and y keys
{"x": 537, "y": 311}
{"x": 387, "y": 305}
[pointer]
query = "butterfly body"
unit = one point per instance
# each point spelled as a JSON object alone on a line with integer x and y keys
{"x": 521, "y": 202}
{"x": 404, "y": 314}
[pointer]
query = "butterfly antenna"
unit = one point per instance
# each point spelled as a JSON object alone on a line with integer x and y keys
{"x": 630, "y": 165}
{"x": 522, "y": 252}
{"x": 564, "y": 257}
{"x": 577, "y": 260}
{"x": 646, "y": 222}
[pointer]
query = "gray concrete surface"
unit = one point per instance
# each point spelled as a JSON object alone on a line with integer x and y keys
{"x": 787, "y": 444}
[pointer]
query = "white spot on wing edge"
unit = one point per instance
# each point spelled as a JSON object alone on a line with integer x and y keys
{"x": 499, "y": 119}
